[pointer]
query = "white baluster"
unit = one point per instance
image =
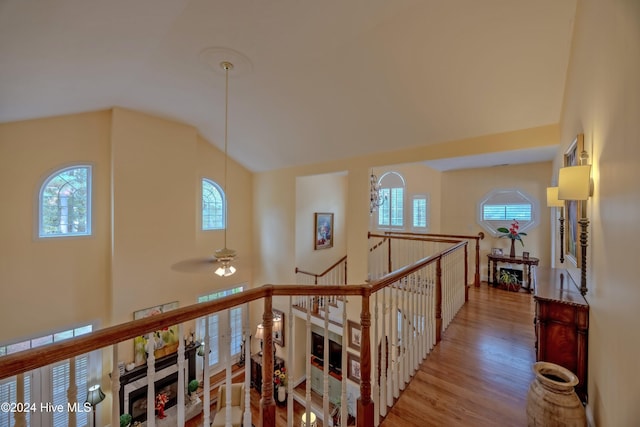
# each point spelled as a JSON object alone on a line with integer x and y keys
{"x": 344, "y": 404}
{"x": 206, "y": 380}
{"x": 151, "y": 374}
{"x": 383, "y": 356}
{"x": 72, "y": 391}
{"x": 20, "y": 417}
{"x": 291, "y": 367}
{"x": 181, "y": 376}
{"x": 247, "y": 368}
{"x": 325, "y": 374}
{"x": 375, "y": 388}
{"x": 308, "y": 361}
{"x": 227, "y": 364}
{"x": 115, "y": 387}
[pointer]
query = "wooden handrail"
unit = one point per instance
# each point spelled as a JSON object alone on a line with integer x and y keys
{"x": 21, "y": 362}
{"x": 435, "y": 237}
{"x": 334, "y": 265}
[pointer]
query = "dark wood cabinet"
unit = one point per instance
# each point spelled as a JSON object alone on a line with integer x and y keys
{"x": 256, "y": 370}
{"x": 562, "y": 324}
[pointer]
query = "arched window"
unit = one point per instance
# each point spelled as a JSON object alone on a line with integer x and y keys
{"x": 391, "y": 212}
{"x": 213, "y": 206}
{"x": 65, "y": 203}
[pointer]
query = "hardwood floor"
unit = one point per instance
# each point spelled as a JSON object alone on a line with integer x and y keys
{"x": 478, "y": 375}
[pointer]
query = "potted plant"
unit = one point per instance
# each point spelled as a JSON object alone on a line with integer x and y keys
{"x": 125, "y": 420}
{"x": 192, "y": 387}
{"x": 509, "y": 280}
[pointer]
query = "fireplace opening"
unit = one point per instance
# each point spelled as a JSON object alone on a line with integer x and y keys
{"x": 138, "y": 398}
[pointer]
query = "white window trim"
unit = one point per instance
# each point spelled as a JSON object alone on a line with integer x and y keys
{"x": 427, "y": 212}
{"x": 224, "y": 325}
{"x": 491, "y": 226}
{"x": 387, "y": 203}
{"x": 45, "y": 181}
{"x": 224, "y": 203}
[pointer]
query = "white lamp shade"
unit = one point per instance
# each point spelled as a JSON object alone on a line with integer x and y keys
{"x": 574, "y": 183}
{"x": 225, "y": 270}
{"x": 260, "y": 332}
{"x": 312, "y": 420}
{"x": 552, "y": 198}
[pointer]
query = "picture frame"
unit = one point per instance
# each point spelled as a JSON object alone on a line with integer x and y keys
{"x": 573, "y": 208}
{"x": 525, "y": 255}
{"x": 353, "y": 368}
{"x": 167, "y": 340}
{"x": 354, "y": 336}
{"x": 323, "y": 230}
{"x": 496, "y": 251}
{"x": 278, "y": 333}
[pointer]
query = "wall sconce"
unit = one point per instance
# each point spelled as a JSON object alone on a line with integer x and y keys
{"x": 574, "y": 183}
{"x": 94, "y": 396}
{"x": 554, "y": 202}
{"x": 260, "y": 335}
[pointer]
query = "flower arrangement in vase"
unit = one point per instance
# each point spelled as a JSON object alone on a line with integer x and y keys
{"x": 514, "y": 234}
{"x": 280, "y": 382}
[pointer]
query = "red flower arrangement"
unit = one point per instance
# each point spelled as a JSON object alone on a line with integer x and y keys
{"x": 512, "y": 232}
{"x": 161, "y": 400}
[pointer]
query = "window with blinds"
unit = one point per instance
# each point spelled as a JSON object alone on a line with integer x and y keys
{"x": 51, "y": 384}
{"x": 9, "y": 393}
{"x": 60, "y": 383}
{"x": 391, "y": 212}
{"x": 219, "y": 323}
{"x": 500, "y": 207}
{"x": 419, "y": 212}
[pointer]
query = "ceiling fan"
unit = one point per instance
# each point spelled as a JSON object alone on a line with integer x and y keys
{"x": 224, "y": 256}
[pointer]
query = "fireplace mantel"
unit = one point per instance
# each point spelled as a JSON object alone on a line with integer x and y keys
{"x": 161, "y": 363}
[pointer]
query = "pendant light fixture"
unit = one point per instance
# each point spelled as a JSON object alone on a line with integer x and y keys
{"x": 225, "y": 255}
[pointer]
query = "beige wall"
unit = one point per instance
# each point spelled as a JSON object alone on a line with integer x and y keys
{"x": 52, "y": 284}
{"x": 146, "y": 218}
{"x": 320, "y": 193}
{"x": 602, "y": 101}
{"x": 462, "y": 191}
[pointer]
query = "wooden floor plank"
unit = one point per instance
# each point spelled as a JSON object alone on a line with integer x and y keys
{"x": 480, "y": 372}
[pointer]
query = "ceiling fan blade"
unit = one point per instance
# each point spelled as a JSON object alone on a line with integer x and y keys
{"x": 196, "y": 265}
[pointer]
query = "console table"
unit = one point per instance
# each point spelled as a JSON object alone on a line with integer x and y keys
{"x": 562, "y": 324}
{"x": 495, "y": 259}
{"x": 256, "y": 370}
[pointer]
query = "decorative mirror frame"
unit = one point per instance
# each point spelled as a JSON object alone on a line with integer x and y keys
{"x": 573, "y": 209}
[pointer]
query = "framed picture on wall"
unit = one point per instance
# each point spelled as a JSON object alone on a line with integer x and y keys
{"x": 353, "y": 334}
{"x": 573, "y": 208}
{"x": 353, "y": 367}
{"x": 323, "y": 233}
{"x": 166, "y": 339}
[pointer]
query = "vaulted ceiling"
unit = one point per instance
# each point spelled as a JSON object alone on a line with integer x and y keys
{"x": 316, "y": 80}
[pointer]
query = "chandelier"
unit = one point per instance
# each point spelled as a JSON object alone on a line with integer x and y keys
{"x": 376, "y": 198}
{"x": 225, "y": 255}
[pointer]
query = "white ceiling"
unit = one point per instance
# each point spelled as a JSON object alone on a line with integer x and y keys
{"x": 326, "y": 80}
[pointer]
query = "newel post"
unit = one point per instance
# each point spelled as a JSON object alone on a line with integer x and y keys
{"x": 466, "y": 273}
{"x": 439, "y": 300}
{"x": 476, "y": 279}
{"x": 365, "y": 404}
{"x": 267, "y": 403}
